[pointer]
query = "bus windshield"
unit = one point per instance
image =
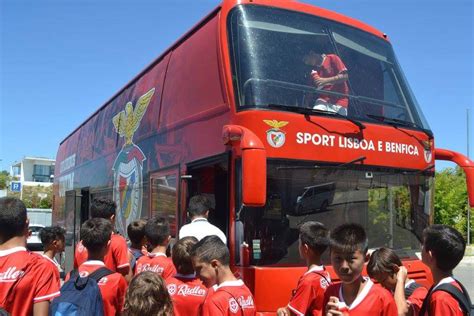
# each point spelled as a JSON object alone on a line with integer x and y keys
{"x": 392, "y": 205}
{"x": 271, "y": 61}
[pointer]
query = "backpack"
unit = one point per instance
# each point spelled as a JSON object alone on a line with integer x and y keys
{"x": 80, "y": 296}
{"x": 411, "y": 288}
{"x": 462, "y": 298}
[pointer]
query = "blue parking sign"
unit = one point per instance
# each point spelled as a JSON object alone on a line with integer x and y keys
{"x": 16, "y": 186}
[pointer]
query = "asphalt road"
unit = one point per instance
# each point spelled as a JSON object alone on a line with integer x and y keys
{"x": 464, "y": 272}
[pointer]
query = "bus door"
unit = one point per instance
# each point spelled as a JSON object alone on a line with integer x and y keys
{"x": 210, "y": 177}
{"x": 164, "y": 193}
{"x": 77, "y": 206}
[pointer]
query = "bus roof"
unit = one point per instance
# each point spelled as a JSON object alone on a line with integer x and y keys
{"x": 228, "y": 5}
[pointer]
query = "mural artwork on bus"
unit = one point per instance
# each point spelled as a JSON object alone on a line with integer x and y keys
{"x": 128, "y": 166}
{"x": 275, "y": 136}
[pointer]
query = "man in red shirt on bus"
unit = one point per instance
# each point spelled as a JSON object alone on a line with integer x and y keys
{"x": 355, "y": 295}
{"x": 309, "y": 294}
{"x": 186, "y": 290}
{"x": 443, "y": 249}
{"x": 27, "y": 282}
{"x": 231, "y": 297}
{"x": 330, "y": 74}
{"x": 96, "y": 237}
{"x": 157, "y": 232}
{"x": 116, "y": 258}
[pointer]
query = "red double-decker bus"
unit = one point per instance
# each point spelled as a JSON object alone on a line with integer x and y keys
{"x": 231, "y": 111}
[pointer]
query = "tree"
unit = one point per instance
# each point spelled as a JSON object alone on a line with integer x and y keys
{"x": 37, "y": 197}
{"x": 450, "y": 202}
{"x": 4, "y": 179}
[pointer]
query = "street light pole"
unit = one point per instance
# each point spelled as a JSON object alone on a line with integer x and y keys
{"x": 468, "y": 205}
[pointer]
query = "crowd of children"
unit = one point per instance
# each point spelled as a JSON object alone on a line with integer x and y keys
{"x": 197, "y": 280}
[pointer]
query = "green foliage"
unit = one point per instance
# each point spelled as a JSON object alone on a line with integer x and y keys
{"x": 36, "y": 197}
{"x": 4, "y": 179}
{"x": 450, "y": 202}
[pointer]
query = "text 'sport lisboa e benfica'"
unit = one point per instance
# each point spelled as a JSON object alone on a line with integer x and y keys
{"x": 291, "y": 113}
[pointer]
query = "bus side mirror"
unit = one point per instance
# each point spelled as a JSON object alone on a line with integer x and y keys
{"x": 254, "y": 177}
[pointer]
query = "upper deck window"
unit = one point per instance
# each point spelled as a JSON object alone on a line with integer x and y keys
{"x": 273, "y": 63}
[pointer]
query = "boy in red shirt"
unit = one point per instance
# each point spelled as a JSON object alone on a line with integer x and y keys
{"x": 443, "y": 249}
{"x": 27, "y": 281}
{"x": 136, "y": 234}
{"x": 355, "y": 295}
{"x": 95, "y": 236}
{"x": 386, "y": 267}
{"x": 116, "y": 258}
{"x": 211, "y": 262}
{"x": 157, "y": 232}
{"x": 53, "y": 242}
{"x": 309, "y": 294}
{"x": 186, "y": 290}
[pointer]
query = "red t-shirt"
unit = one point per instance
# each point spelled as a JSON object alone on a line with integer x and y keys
{"x": 115, "y": 258}
{"x": 331, "y": 66}
{"x": 156, "y": 262}
{"x": 309, "y": 294}
{"x": 443, "y": 303}
{"x": 54, "y": 266}
{"x": 25, "y": 289}
{"x": 372, "y": 300}
{"x": 230, "y": 298}
{"x": 112, "y": 287}
{"x": 187, "y": 292}
{"x": 416, "y": 298}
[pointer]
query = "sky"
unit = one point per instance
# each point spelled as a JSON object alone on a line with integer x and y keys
{"x": 61, "y": 60}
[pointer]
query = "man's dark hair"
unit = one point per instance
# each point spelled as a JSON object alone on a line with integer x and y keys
{"x": 446, "y": 244}
{"x": 50, "y": 234}
{"x": 383, "y": 260}
{"x": 181, "y": 255}
{"x": 198, "y": 205}
{"x": 12, "y": 218}
{"x": 211, "y": 248}
{"x": 315, "y": 235}
{"x": 103, "y": 208}
{"x": 348, "y": 238}
{"x": 157, "y": 230}
{"x": 96, "y": 233}
{"x": 136, "y": 231}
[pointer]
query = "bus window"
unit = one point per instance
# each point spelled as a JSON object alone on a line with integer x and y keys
{"x": 390, "y": 204}
{"x": 164, "y": 197}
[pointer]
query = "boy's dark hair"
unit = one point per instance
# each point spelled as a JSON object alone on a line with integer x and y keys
{"x": 446, "y": 244}
{"x": 157, "y": 230}
{"x": 103, "y": 208}
{"x": 136, "y": 231}
{"x": 198, "y": 205}
{"x": 12, "y": 218}
{"x": 96, "y": 233}
{"x": 50, "y": 234}
{"x": 211, "y": 248}
{"x": 382, "y": 260}
{"x": 181, "y": 255}
{"x": 348, "y": 238}
{"x": 315, "y": 235}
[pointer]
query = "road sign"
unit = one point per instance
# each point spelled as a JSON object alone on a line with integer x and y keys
{"x": 15, "y": 186}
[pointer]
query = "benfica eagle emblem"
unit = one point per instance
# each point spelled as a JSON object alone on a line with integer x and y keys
{"x": 128, "y": 166}
{"x": 275, "y": 136}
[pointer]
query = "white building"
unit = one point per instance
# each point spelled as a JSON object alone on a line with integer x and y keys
{"x": 33, "y": 171}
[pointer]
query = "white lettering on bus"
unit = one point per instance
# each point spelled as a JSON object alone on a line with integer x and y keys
{"x": 66, "y": 183}
{"x": 67, "y": 163}
{"x": 356, "y": 143}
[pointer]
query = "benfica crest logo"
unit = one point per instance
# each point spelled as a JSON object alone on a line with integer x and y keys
{"x": 128, "y": 166}
{"x": 275, "y": 136}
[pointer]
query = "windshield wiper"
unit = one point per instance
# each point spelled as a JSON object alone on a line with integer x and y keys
{"x": 309, "y": 111}
{"x": 396, "y": 123}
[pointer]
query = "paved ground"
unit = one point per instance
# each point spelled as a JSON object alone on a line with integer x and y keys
{"x": 465, "y": 273}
